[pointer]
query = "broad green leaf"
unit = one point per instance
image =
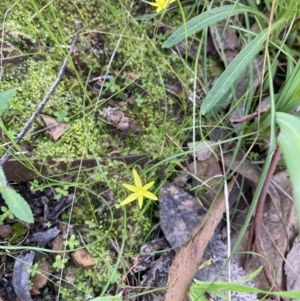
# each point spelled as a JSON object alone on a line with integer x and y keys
{"x": 3, "y": 181}
{"x": 235, "y": 70}
{"x": 289, "y": 142}
{"x": 17, "y": 205}
{"x": 5, "y": 98}
{"x": 206, "y": 19}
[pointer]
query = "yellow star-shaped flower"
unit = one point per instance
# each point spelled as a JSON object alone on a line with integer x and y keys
{"x": 139, "y": 191}
{"x": 161, "y": 4}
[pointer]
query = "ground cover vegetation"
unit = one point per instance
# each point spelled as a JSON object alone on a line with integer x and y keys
{"x": 149, "y": 86}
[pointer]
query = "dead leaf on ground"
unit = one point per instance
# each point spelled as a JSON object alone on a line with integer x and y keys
{"x": 21, "y": 276}
{"x": 279, "y": 229}
{"x": 117, "y": 118}
{"x": 43, "y": 238}
{"x": 209, "y": 176}
{"x": 158, "y": 276}
{"x": 292, "y": 266}
{"x": 225, "y": 40}
{"x": 40, "y": 280}
{"x": 189, "y": 256}
{"x": 54, "y": 128}
{"x": 5, "y": 230}
{"x": 203, "y": 149}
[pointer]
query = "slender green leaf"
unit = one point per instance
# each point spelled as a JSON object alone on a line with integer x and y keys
{"x": 206, "y": 19}
{"x": 200, "y": 287}
{"x": 3, "y": 181}
{"x": 289, "y": 94}
{"x": 109, "y": 298}
{"x": 17, "y": 205}
{"x": 235, "y": 70}
{"x": 5, "y": 98}
{"x": 289, "y": 142}
{"x": 252, "y": 275}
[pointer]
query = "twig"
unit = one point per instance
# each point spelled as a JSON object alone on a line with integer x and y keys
{"x": 255, "y": 228}
{"x": 251, "y": 116}
{"x": 10, "y": 150}
{"x": 259, "y": 215}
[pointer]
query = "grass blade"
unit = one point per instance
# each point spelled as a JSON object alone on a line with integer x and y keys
{"x": 289, "y": 142}
{"x": 206, "y": 19}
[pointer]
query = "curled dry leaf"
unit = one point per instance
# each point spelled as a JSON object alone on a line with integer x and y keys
{"x": 117, "y": 118}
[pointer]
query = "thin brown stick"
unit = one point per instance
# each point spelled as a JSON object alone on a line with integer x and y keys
{"x": 29, "y": 123}
{"x": 259, "y": 215}
{"x": 251, "y": 116}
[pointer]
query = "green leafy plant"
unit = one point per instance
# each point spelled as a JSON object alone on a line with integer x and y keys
{"x": 60, "y": 192}
{"x": 91, "y": 224}
{"x": 72, "y": 242}
{"x": 35, "y": 185}
{"x": 15, "y": 202}
{"x": 61, "y": 115}
{"x": 139, "y": 100}
{"x": 34, "y": 270}
{"x": 59, "y": 262}
{"x": 6, "y": 214}
{"x": 111, "y": 85}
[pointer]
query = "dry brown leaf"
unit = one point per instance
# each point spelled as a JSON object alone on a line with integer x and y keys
{"x": 292, "y": 266}
{"x": 188, "y": 258}
{"x": 40, "y": 280}
{"x": 54, "y": 128}
{"x": 207, "y": 171}
{"x": 279, "y": 228}
{"x": 5, "y": 230}
{"x": 117, "y": 118}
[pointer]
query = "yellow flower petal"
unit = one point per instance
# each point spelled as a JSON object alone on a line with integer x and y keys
{"x": 129, "y": 199}
{"x": 137, "y": 179}
{"x": 151, "y": 196}
{"x": 148, "y": 185}
{"x": 130, "y": 187}
{"x": 140, "y": 199}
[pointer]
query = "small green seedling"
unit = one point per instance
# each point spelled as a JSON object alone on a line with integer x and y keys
{"x": 6, "y": 214}
{"x": 60, "y": 192}
{"x": 139, "y": 100}
{"x": 62, "y": 115}
{"x": 34, "y": 270}
{"x": 111, "y": 85}
{"x": 91, "y": 224}
{"x": 59, "y": 262}
{"x": 72, "y": 242}
{"x": 36, "y": 186}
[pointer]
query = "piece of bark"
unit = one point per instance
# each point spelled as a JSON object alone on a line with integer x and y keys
{"x": 82, "y": 259}
{"x": 188, "y": 258}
